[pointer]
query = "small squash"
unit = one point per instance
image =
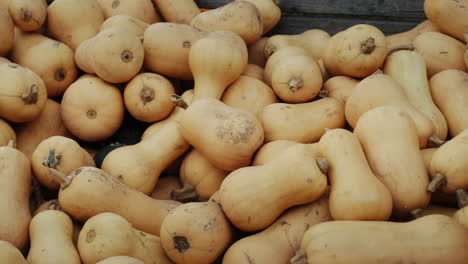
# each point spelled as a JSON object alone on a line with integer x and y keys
{"x": 130, "y": 23}
{"x": 6, "y": 133}
{"x": 10, "y": 254}
{"x": 442, "y": 14}
{"x": 28, "y": 15}
{"x": 256, "y": 52}
{"x": 339, "y": 88}
{"x": 269, "y": 11}
{"x": 271, "y": 150}
{"x": 7, "y": 32}
{"x": 139, "y": 9}
{"x": 164, "y": 187}
{"x": 178, "y": 11}
{"x": 405, "y": 39}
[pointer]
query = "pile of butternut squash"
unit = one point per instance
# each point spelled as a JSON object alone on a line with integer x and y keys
{"x": 258, "y": 148}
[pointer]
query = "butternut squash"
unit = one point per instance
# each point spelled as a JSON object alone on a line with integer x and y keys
{"x": 449, "y": 90}
{"x": 271, "y": 150}
{"x": 230, "y": 136}
{"x": 254, "y": 71}
{"x": 147, "y": 97}
{"x": 289, "y": 121}
{"x": 273, "y": 61}
{"x": 325, "y": 242}
{"x": 120, "y": 260}
{"x": 390, "y": 142}
{"x": 51, "y": 239}
{"x": 164, "y": 187}
{"x": 104, "y": 193}
{"x": 28, "y": 15}
{"x": 62, "y": 17}
{"x": 196, "y": 233}
{"x": 279, "y": 242}
{"x": 15, "y": 179}
{"x": 10, "y": 254}
{"x": 178, "y": 11}
{"x": 442, "y": 14}
{"x": 130, "y": 23}
{"x": 7, "y": 31}
{"x": 140, "y": 9}
{"x": 292, "y": 178}
{"x": 92, "y": 109}
{"x": 256, "y": 54}
{"x": 339, "y": 88}
{"x": 357, "y": 51}
{"x": 409, "y": 70}
{"x": 249, "y": 94}
{"x": 52, "y": 60}
{"x": 6, "y": 133}
{"x": 405, "y": 39}
{"x": 107, "y": 234}
{"x": 440, "y": 52}
{"x": 61, "y": 153}
{"x": 269, "y": 11}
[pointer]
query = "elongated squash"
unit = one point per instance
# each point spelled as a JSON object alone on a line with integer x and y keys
{"x": 269, "y": 11}
{"x": 10, "y": 254}
{"x": 7, "y": 31}
{"x": 405, "y": 39}
{"x": 271, "y": 150}
{"x": 130, "y": 23}
{"x": 140, "y": 9}
{"x": 442, "y": 14}
{"x": 178, "y": 11}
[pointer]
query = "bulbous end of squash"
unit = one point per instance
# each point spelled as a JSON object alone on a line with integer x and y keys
{"x": 438, "y": 181}
{"x": 300, "y": 257}
{"x": 179, "y": 101}
{"x": 462, "y": 198}
{"x": 60, "y": 177}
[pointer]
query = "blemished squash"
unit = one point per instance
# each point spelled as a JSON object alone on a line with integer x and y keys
{"x": 390, "y": 142}
{"x": 230, "y": 136}
{"x": 357, "y": 51}
{"x": 405, "y": 39}
{"x": 216, "y": 61}
{"x": 240, "y": 17}
{"x": 269, "y": 11}
{"x": 15, "y": 179}
{"x": 164, "y": 187}
{"x": 254, "y": 71}
{"x": 325, "y": 242}
{"x": 271, "y": 150}
{"x": 62, "y": 17}
{"x": 51, "y": 233}
{"x": 6, "y": 133}
{"x": 178, "y": 11}
{"x": 289, "y": 121}
{"x": 51, "y": 60}
{"x": 442, "y": 14}
{"x": 92, "y": 109}
{"x": 108, "y": 234}
{"x": 28, "y": 15}
{"x": 140, "y": 9}
{"x": 23, "y": 94}
{"x": 291, "y": 179}
{"x": 440, "y": 52}
{"x": 120, "y": 260}
{"x": 61, "y": 153}
{"x": 115, "y": 55}
{"x": 339, "y": 88}
{"x": 249, "y": 94}
{"x": 147, "y": 97}
{"x": 408, "y": 68}
{"x": 256, "y": 52}
{"x": 449, "y": 90}
{"x": 10, "y": 254}
{"x": 279, "y": 242}
{"x": 7, "y": 32}
{"x": 104, "y": 193}
{"x": 130, "y": 23}
{"x": 196, "y": 233}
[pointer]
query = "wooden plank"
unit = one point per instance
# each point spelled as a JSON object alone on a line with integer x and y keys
{"x": 383, "y": 8}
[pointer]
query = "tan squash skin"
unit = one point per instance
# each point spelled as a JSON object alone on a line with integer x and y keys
{"x": 196, "y": 233}
{"x": 28, "y": 15}
{"x": 254, "y": 71}
{"x": 249, "y": 94}
{"x": 292, "y": 178}
{"x": 52, "y": 60}
{"x": 279, "y": 242}
{"x": 230, "y": 138}
{"x": 120, "y": 260}
{"x": 7, "y": 31}
{"x": 62, "y": 16}
{"x": 439, "y": 240}
{"x": 271, "y": 150}
{"x": 115, "y": 55}
{"x": 389, "y": 139}
{"x": 49, "y": 123}
{"x": 441, "y": 52}
{"x": 461, "y": 217}
{"x": 449, "y": 90}
{"x": 379, "y": 90}
{"x": 367, "y": 53}
{"x": 10, "y": 254}
{"x": 15, "y": 179}
{"x": 313, "y": 41}
{"x": 6, "y": 133}
{"x": 92, "y": 109}
{"x": 107, "y": 234}
{"x": 240, "y": 17}
{"x": 442, "y": 14}
{"x": 106, "y": 194}
{"x": 216, "y": 61}
{"x": 140, "y": 165}
{"x": 409, "y": 70}
{"x": 177, "y": 11}
{"x": 339, "y": 88}
{"x": 356, "y": 193}
{"x": 130, "y": 23}
{"x": 269, "y": 11}
{"x": 165, "y": 185}
{"x": 167, "y": 47}
{"x": 140, "y": 9}
{"x": 23, "y": 94}
{"x": 405, "y": 39}
{"x": 256, "y": 54}
{"x": 61, "y": 153}
{"x": 51, "y": 239}
{"x": 289, "y": 121}
{"x": 147, "y": 97}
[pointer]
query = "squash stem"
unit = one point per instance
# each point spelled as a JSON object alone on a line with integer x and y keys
{"x": 368, "y": 46}
{"x": 434, "y": 141}
{"x": 31, "y": 96}
{"x": 295, "y": 83}
{"x": 438, "y": 181}
{"x": 416, "y": 213}
{"x": 269, "y": 50}
{"x": 63, "y": 179}
{"x": 52, "y": 160}
{"x": 185, "y": 194}
{"x": 11, "y": 143}
{"x": 179, "y": 101}
{"x": 462, "y": 198}
{"x": 323, "y": 93}
{"x": 300, "y": 257}
{"x": 323, "y": 165}
{"x": 400, "y": 47}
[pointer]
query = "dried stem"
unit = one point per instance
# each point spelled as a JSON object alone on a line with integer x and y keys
{"x": 416, "y": 213}
{"x": 295, "y": 83}
{"x": 185, "y": 194}
{"x": 52, "y": 160}
{"x": 438, "y": 181}
{"x": 323, "y": 93}
{"x": 300, "y": 257}
{"x": 462, "y": 198}
{"x": 323, "y": 165}
{"x": 179, "y": 101}
{"x": 60, "y": 177}
{"x": 11, "y": 143}
{"x": 434, "y": 141}
{"x": 400, "y": 47}
{"x": 31, "y": 96}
